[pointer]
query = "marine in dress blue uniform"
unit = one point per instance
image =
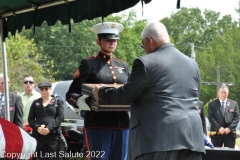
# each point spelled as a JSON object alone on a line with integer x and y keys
{"x": 106, "y": 132}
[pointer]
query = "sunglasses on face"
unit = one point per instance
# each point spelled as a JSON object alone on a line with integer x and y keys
{"x": 44, "y": 88}
{"x": 26, "y": 82}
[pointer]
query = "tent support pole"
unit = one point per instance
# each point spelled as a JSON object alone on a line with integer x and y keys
{"x": 4, "y": 68}
{"x": 29, "y": 9}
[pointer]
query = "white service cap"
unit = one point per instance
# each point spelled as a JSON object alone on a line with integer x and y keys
{"x": 108, "y": 30}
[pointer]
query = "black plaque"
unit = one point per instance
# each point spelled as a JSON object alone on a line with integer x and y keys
{"x": 222, "y": 154}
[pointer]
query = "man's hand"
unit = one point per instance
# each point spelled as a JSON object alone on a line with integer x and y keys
{"x": 222, "y": 131}
{"x": 227, "y": 130}
{"x": 81, "y": 103}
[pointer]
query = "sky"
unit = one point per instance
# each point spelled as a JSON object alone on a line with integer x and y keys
{"x": 158, "y": 9}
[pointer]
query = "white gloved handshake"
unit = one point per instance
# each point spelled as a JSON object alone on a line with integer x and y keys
{"x": 81, "y": 103}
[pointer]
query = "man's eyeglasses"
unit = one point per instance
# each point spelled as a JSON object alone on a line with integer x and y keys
{"x": 44, "y": 88}
{"x": 141, "y": 44}
{"x": 26, "y": 82}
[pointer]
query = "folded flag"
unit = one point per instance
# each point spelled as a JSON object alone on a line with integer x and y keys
{"x": 15, "y": 143}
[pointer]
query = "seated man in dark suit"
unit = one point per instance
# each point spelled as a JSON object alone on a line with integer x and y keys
{"x": 15, "y": 105}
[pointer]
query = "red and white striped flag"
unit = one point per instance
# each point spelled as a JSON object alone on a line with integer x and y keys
{"x": 15, "y": 143}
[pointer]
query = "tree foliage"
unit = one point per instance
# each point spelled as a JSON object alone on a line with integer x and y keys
{"x": 215, "y": 38}
{"x": 222, "y": 52}
{"x": 216, "y": 44}
{"x": 22, "y": 57}
{"x": 63, "y": 51}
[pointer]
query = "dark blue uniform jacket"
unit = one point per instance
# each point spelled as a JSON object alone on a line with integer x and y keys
{"x": 100, "y": 69}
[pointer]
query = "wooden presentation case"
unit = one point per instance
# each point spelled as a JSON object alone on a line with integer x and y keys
{"x": 87, "y": 89}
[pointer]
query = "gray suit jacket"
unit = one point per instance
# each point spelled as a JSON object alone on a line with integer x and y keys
{"x": 163, "y": 90}
{"x": 217, "y": 119}
{"x": 15, "y": 109}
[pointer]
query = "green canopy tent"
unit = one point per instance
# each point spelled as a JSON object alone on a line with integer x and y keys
{"x": 16, "y": 14}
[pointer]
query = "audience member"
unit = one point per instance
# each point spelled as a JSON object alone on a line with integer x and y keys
{"x": 45, "y": 117}
{"x": 15, "y": 104}
{"x": 28, "y": 96}
{"x": 223, "y": 115}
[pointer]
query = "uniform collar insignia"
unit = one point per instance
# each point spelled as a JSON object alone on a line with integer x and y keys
{"x": 104, "y": 56}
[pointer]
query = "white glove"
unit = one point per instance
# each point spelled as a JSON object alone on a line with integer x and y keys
{"x": 81, "y": 103}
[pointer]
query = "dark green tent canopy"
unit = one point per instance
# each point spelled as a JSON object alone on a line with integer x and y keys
{"x": 19, "y": 13}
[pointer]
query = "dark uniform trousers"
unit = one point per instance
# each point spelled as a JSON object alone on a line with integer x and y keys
{"x": 112, "y": 144}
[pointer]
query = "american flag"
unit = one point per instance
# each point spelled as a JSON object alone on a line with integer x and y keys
{"x": 15, "y": 143}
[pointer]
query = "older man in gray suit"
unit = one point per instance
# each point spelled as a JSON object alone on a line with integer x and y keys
{"x": 15, "y": 104}
{"x": 163, "y": 90}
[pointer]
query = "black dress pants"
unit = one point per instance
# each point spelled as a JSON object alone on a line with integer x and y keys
{"x": 225, "y": 141}
{"x": 47, "y": 147}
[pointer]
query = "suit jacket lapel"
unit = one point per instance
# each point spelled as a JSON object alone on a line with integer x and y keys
{"x": 227, "y": 106}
